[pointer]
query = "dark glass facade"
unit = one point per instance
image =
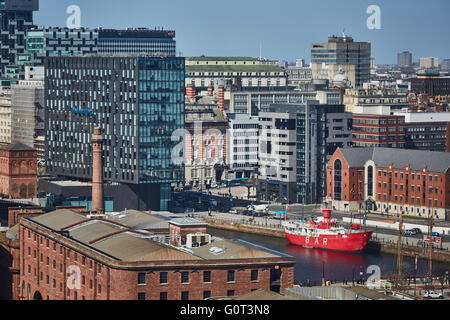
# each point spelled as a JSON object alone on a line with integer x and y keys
{"x": 137, "y": 101}
{"x": 16, "y": 16}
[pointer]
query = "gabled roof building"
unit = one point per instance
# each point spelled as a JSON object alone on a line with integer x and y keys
{"x": 390, "y": 180}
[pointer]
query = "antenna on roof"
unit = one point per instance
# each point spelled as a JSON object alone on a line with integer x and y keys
{"x": 260, "y": 50}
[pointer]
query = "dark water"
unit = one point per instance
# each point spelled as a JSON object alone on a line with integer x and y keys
{"x": 339, "y": 266}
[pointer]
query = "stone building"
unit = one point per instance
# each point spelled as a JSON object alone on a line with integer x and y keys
{"x": 205, "y": 141}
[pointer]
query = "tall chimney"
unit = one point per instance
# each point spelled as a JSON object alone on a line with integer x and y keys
{"x": 220, "y": 98}
{"x": 190, "y": 91}
{"x": 210, "y": 90}
{"x": 97, "y": 172}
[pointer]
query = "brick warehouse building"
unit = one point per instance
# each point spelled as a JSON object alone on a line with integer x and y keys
{"x": 18, "y": 171}
{"x": 117, "y": 262}
{"x": 394, "y": 131}
{"x": 415, "y": 181}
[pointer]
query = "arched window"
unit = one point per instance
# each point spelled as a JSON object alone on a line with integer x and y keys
{"x": 370, "y": 181}
{"x": 338, "y": 180}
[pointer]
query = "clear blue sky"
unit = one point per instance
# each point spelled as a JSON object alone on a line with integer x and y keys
{"x": 286, "y": 28}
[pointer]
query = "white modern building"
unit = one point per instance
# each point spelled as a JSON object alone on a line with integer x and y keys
{"x": 243, "y": 145}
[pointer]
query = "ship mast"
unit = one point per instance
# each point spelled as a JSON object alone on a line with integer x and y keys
{"x": 399, "y": 246}
{"x": 430, "y": 254}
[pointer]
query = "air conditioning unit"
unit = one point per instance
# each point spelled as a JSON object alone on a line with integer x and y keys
{"x": 195, "y": 240}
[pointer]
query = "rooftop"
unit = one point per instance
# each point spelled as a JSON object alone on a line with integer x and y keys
{"x": 15, "y": 146}
{"x": 186, "y": 221}
{"x": 436, "y": 162}
{"x": 203, "y": 58}
{"x": 125, "y": 239}
{"x": 220, "y": 68}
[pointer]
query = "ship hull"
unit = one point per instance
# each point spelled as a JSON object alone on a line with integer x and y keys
{"x": 350, "y": 242}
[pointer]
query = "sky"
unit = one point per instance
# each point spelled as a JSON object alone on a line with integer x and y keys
{"x": 284, "y": 29}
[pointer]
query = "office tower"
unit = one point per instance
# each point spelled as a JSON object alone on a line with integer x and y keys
{"x": 429, "y": 62}
{"x": 445, "y": 65}
{"x": 27, "y": 119}
{"x": 51, "y": 42}
{"x": 137, "y": 41}
{"x": 5, "y": 116}
{"x": 404, "y": 59}
{"x": 341, "y": 55}
{"x": 57, "y": 41}
{"x": 296, "y": 141}
{"x": 16, "y": 16}
{"x": 138, "y": 102}
{"x": 300, "y": 63}
{"x": 251, "y": 103}
{"x": 243, "y": 145}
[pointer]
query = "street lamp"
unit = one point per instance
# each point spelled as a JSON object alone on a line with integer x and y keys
{"x": 323, "y": 273}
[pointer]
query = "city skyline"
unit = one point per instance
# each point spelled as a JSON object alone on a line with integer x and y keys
{"x": 242, "y": 29}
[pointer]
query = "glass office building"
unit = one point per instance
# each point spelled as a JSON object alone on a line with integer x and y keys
{"x": 137, "y": 101}
{"x": 58, "y": 41}
{"x": 16, "y": 16}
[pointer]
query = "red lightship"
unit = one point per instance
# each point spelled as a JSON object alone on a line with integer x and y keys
{"x": 326, "y": 235}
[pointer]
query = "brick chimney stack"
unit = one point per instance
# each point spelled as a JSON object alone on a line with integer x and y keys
{"x": 97, "y": 171}
{"x": 190, "y": 91}
{"x": 220, "y": 98}
{"x": 210, "y": 90}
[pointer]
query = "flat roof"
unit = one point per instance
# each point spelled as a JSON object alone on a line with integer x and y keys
{"x": 70, "y": 183}
{"x": 186, "y": 221}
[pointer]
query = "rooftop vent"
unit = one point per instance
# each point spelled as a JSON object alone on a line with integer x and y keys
{"x": 216, "y": 250}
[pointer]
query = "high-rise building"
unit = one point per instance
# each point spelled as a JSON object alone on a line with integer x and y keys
{"x": 341, "y": 55}
{"x": 27, "y": 120}
{"x": 445, "y": 65}
{"x": 5, "y": 116}
{"x": 429, "y": 62}
{"x": 137, "y": 41}
{"x": 243, "y": 144}
{"x": 16, "y": 16}
{"x": 251, "y": 103}
{"x": 57, "y": 41}
{"x": 296, "y": 141}
{"x": 404, "y": 59}
{"x": 138, "y": 102}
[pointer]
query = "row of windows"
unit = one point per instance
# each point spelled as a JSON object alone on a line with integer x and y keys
{"x": 413, "y": 176}
{"x": 184, "y": 277}
{"x": 62, "y": 250}
{"x": 184, "y": 295}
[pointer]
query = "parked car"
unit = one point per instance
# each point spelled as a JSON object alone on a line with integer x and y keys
{"x": 418, "y": 231}
{"x": 233, "y": 211}
{"x": 435, "y": 234}
{"x": 410, "y": 232}
{"x": 432, "y": 294}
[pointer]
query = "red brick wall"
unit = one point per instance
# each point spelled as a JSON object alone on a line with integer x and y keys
{"x": 18, "y": 174}
{"x": 124, "y": 284}
{"x": 16, "y": 213}
{"x": 119, "y": 283}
